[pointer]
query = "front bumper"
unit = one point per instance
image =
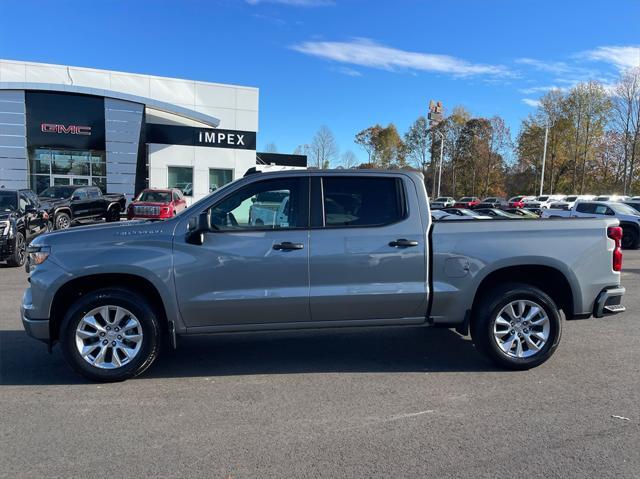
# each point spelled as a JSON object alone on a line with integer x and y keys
{"x": 7, "y": 247}
{"x": 36, "y": 328}
{"x": 609, "y": 302}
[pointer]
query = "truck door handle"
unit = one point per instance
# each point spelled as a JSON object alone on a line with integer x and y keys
{"x": 403, "y": 243}
{"x": 287, "y": 245}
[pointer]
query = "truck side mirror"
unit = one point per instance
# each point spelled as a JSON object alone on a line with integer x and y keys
{"x": 198, "y": 226}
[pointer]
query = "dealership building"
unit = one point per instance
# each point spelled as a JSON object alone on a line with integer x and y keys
{"x": 123, "y": 132}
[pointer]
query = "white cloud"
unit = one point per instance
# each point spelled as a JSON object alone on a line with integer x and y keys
{"x": 349, "y": 72}
{"x": 545, "y": 66}
{"x": 622, "y": 57}
{"x": 531, "y": 102}
{"x": 295, "y": 3}
{"x": 539, "y": 89}
{"x": 368, "y": 53}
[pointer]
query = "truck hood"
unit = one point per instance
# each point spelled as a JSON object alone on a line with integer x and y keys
{"x": 107, "y": 233}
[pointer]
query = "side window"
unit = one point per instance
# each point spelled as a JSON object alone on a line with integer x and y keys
{"x": 360, "y": 201}
{"x": 585, "y": 208}
{"x": 81, "y": 194}
{"x": 23, "y": 202}
{"x": 175, "y": 196}
{"x": 609, "y": 212}
{"x": 271, "y": 204}
{"x": 601, "y": 210}
{"x": 94, "y": 193}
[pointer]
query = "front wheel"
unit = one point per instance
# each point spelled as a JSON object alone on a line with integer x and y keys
{"x": 517, "y": 326}
{"x": 110, "y": 335}
{"x": 62, "y": 221}
{"x": 19, "y": 251}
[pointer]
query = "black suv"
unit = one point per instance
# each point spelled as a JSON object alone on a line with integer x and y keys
{"x": 22, "y": 218}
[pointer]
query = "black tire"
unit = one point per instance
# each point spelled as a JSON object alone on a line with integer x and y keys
{"x": 113, "y": 214}
{"x": 19, "y": 255}
{"x": 62, "y": 221}
{"x": 630, "y": 238}
{"x": 484, "y": 319}
{"x": 139, "y": 307}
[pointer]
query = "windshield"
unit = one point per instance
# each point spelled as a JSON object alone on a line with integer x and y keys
{"x": 466, "y": 199}
{"x": 623, "y": 209}
{"x": 58, "y": 192}
{"x": 155, "y": 196}
{"x": 442, "y": 199}
{"x": 8, "y": 201}
{"x": 542, "y": 198}
{"x": 571, "y": 198}
{"x": 516, "y": 198}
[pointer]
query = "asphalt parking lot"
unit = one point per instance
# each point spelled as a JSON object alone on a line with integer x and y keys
{"x": 392, "y": 403}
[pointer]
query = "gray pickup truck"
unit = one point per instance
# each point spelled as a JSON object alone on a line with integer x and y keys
{"x": 350, "y": 249}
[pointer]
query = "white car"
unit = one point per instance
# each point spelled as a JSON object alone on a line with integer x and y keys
{"x": 570, "y": 201}
{"x": 629, "y": 217}
{"x": 544, "y": 201}
{"x": 442, "y": 202}
{"x": 611, "y": 198}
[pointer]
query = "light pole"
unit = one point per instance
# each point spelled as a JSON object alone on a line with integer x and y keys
{"x": 544, "y": 156}
{"x": 441, "y": 153}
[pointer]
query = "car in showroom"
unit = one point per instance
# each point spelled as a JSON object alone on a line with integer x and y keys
{"x": 442, "y": 202}
{"x": 110, "y": 295}
{"x": 467, "y": 202}
{"x": 68, "y": 204}
{"x": 154, "y": 203}
{"x": 22, "y": 218}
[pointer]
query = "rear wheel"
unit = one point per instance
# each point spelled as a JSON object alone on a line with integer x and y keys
{"x": 517, "y": 326}
{"x": 19, "y": 251}
{"x": 113, "y": 214}
{"x": 110, "y": 335}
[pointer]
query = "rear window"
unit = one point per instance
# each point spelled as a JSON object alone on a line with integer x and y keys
{"x": 361, "y": 202}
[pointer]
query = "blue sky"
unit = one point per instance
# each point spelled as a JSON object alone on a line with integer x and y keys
{"x": 346, "y": 64}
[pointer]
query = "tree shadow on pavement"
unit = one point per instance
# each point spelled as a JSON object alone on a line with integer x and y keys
{"x": 24, "y": 361}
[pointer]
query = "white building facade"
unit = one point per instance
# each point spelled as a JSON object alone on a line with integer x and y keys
{"x": 63, "y": 125}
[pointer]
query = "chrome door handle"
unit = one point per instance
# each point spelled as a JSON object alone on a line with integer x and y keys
{"x": 287, "y": 245}
{"x": 403, "y": 243}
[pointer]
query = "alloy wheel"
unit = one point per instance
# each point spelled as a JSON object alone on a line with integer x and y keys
{"x": 521, "y": 329}
{"x": 109, "y": 337}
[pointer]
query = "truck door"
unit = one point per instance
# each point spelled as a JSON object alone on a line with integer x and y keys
{"x": 252, "y": 268}
{"x": 368, "y": 247}
{"x": 80, "y": 204}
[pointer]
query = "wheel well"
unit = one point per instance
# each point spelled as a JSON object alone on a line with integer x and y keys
{"x": 70, "y": 292}
{"x": 548, "y": 279}
{"x": 62, "y": 210}
{"x": 633, "y": 226}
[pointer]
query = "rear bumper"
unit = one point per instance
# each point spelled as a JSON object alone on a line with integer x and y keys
{"x": 609, "y": 302}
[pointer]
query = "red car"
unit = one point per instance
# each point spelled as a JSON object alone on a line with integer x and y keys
{"x": 467, "y": 202}
{"x": 517, "y": 201}
{"x": 156, "y": 203}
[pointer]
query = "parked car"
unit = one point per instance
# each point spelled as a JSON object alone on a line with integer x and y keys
{"x": 496, "y": 214}
{"x": 442, "y": 202}
{"x": 523, "y": 212}
{"x": 109, "y": 293}
{"x": 569, "y": 201}
{"x": 467, "y": 202}
{"x": 518, "y": 201}
{"x": 157, "y": 204}
{"x": 629, "y": 217}
{"x": 633, "y": 204}
{"x": 491, "y": 202}
{"x": 22, "y": 218}
{"x": 67, "y": 204}
{"x": 465, "y": 213}
{"x": 635, "y": 198}
{"x": 543, "y": 202}
{"x": 611, "y": 198}
{"x": 535, "y": 211}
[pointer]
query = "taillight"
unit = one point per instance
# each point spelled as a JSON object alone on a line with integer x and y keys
{"x": 615, "y": 233}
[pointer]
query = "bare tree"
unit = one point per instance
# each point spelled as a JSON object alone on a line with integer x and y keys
{"x": 349, "y": 159}
{"x": 324, "y": 148}
{"x": 270, "y": 148}
{"x": 626, "y": 107}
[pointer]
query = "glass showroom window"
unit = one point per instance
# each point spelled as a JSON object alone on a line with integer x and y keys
{"x": 219, "y": 178}
{"x": 66, "y": 167}
{"x": 181, "y": 177}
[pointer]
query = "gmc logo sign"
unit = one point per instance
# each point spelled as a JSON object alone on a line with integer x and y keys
{"x": 66, "y": 129}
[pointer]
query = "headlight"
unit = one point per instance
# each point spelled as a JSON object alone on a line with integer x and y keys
{"x": 37, "y": 256}
{"x": 4, "y": 228}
